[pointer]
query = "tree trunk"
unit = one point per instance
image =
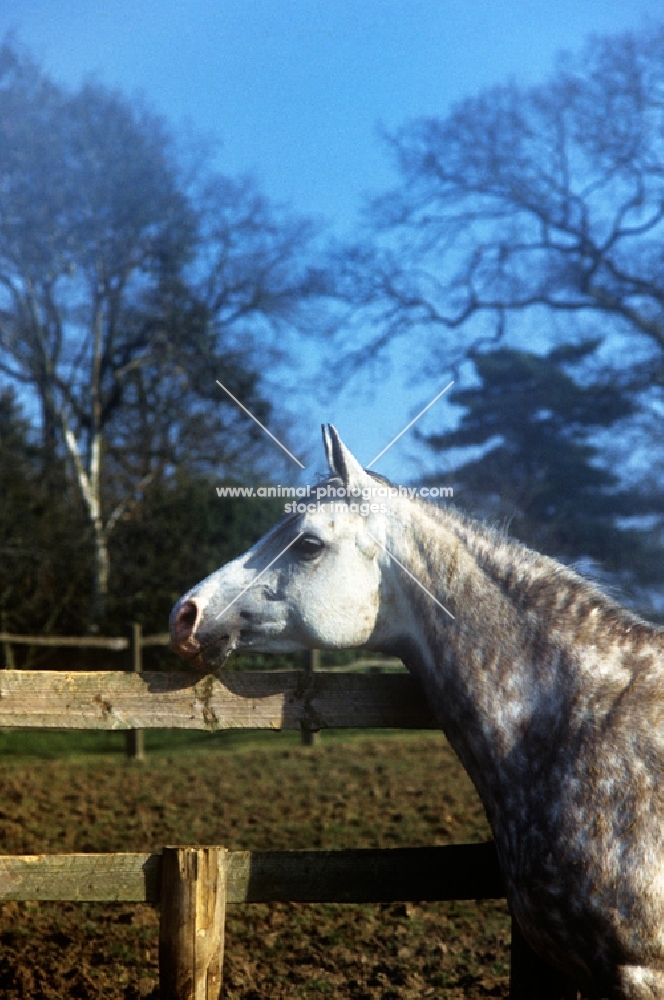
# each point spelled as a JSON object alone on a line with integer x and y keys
{"x": 89, "y": 483}
{"x": 101, "y": 571}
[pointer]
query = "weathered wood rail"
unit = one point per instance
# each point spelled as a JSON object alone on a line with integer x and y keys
{"x": 194, "y": 884}
{"x": 455, "y": 871}
{"x": 135, "y": 644}
{"x": 113, "y": 699}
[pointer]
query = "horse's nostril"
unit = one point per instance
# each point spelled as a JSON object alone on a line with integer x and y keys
{"x": 186, "y": 618}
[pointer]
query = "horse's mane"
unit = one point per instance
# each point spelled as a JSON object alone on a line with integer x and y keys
{"x": 527, "y": 574}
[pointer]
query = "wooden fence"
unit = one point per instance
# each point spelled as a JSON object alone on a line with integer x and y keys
{"x": 193, "y": 884}
{"x": 135, "y": 644}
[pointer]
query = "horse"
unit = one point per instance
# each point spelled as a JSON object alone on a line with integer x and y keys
{"x": 551, "y": 694}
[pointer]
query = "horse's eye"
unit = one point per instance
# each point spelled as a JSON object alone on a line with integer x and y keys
{"x": 309, "y": 546}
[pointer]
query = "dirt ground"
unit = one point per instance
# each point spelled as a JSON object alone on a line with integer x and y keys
{"x": 378, "y": 791}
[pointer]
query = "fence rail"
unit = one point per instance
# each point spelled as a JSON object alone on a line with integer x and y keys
{"x": 111, "y": 699}
{"x": 455, "y": 871}
{"x": 74, "y": 642}
{"x": 116, "y": 644}
{"x": 193, "y": 884}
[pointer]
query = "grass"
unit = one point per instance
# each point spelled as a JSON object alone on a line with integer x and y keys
{"x": 69, "y": 744}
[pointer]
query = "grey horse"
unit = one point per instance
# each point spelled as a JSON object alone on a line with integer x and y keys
{"x": 551, "y": 694}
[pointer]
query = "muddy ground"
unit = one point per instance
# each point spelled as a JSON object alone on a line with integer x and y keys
{"x": 383, "y": 790}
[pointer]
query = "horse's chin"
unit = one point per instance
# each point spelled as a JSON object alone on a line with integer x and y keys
{"x": 212, "y": 658}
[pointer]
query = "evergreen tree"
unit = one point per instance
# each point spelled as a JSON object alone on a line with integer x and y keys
{"x": 540, "y": 464}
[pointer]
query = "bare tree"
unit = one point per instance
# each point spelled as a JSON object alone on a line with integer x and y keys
{"x": 126, "y": 289}
{"x": 523, "y": 205}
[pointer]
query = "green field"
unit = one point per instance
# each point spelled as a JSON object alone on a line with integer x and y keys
{"x": 76, "y": 792}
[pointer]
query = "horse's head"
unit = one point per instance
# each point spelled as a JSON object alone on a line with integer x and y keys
{"x": 313, "y": 581}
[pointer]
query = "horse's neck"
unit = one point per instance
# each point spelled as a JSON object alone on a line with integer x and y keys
{"x": 503, "y": 673}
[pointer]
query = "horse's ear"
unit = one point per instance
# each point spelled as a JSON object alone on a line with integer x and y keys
{"x": 341, "y": 461}
{"x": 327, "y": 444}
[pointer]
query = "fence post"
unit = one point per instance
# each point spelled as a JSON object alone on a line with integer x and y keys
{"x": 9, "y": 655}
{"x": 310, "y": 663}
{"x": 533, "y": 979}
{"x": 134, "y": 737}
{"x": 191, "y": 925}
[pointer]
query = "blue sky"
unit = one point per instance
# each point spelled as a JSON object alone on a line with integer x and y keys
{"x": 294, "y": 92}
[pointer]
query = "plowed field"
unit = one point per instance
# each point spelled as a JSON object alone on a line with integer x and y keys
{"x": 361, "y": 791}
